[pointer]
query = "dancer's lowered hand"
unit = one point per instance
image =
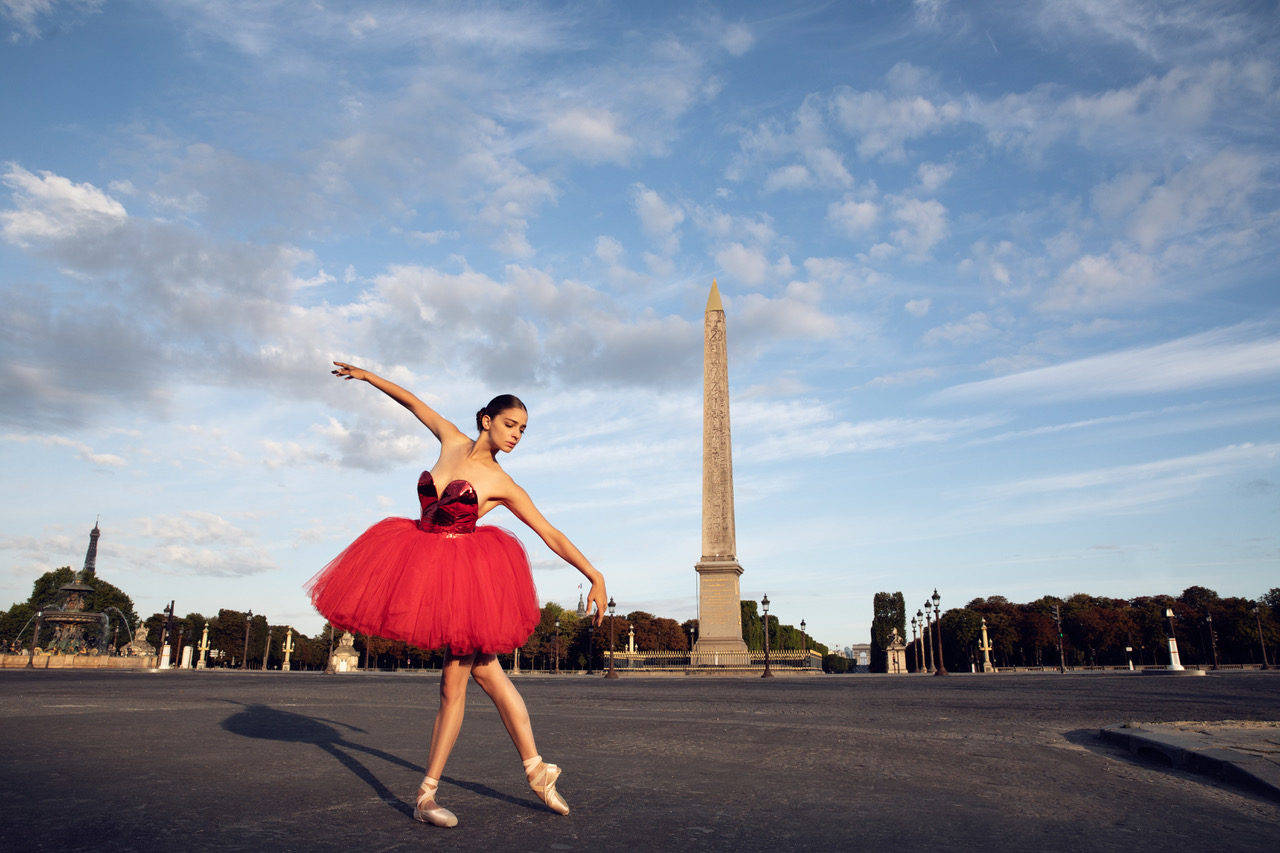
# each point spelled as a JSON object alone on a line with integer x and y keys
{"x": 600, "y": 599}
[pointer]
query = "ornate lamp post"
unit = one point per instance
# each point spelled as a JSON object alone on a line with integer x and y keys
{"x": 985, "y": 646}
{"x": 287, "y": 648}
{"x": 1257, "y": 615}
{"x": 691, "y": 642}
{"x": 248, "y": 618}
{"x": 266, "y": 649}
{"x": 557, "y": 647}
{"x": 1213, "y": 640}
{"x": 1062, "y": 656}
{"x": 1175, "y": 661}
{"x": 805, "y": 638}
{"x": 764, "y": 603}
{"x": 591, "y": 634}
{"x": 204, "y": 648}
{"x": 915, "y": 651}
{"x": 925, "y": 640}
{"x": 937, "y": 624}
{"x": 611, "y": 673}
{"x": 330, "y": 668}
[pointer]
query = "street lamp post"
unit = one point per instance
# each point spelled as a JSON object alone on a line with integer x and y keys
{"x": 937, "y": 624}
{"x": 611, "y": 673}
{"x": 591, "y": 633}
{"x": 764, "y": 603}
{"x": 925, "y": 640}
{"x": 1175, "y": 662}
{"x": 1062, "y": 659}
{"x": 1213, "y": 640}
{"x": 805, "y": 638}
{"x": 915, "y": 652}
{"x": 1257, "y": 615}
{"x": 248, "y": 618}
{"x": 557, "y": 647}
{"x": 329, "y": 668}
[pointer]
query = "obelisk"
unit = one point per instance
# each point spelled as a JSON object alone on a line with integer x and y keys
{"x": 719, "y": 614}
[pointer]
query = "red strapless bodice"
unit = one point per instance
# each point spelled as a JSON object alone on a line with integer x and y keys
{"x": 452, "y": 511}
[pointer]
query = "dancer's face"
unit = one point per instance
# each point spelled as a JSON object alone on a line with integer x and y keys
{"x": 506, "y": 429}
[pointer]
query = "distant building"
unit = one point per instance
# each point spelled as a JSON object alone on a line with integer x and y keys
{"x": 859, "y": 656}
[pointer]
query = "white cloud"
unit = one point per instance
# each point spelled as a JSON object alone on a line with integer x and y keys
{"x": 50, "y": 207}
{"x": 933, "y": 175}
{"x": 592, "y": 135}
{"x": 84, "y": 451}
{"x": 1232, "y": 355}
{"x": 854, "y": 217}
{"x": 883, "y": 125}
{"x": 793, "y": 177}
{"x": 903, "y": 377}
{"x": 918, "y": 307}
{"x": 975, "y": 327}
{"x": 1131, "y": 486}
{"x": 660, "y": 220}
{"x": 29, "y": 15}
{"x": 748, "y": 266}
{"x": 737, "y": 39}
{"x": 1099, "y": 282}
{"x": 608, "y": 249}
{"x": 924, "y": 224}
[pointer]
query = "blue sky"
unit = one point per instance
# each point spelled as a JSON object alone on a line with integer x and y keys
{"x": 1000, "y": 282}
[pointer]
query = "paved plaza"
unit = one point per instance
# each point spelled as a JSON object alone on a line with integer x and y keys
{"x": 299, "y": 761}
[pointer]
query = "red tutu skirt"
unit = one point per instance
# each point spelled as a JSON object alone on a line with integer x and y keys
{"x": 469, "y": 592}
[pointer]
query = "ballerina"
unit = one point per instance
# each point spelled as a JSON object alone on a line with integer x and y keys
{"x": 442, "y": 582}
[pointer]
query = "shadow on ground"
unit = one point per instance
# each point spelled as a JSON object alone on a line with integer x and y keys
{"x": 267, "y": 723}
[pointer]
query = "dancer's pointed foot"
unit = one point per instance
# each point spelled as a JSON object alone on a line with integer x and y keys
{"x": 542, "y": 779}
{"x": 427, "y": 810}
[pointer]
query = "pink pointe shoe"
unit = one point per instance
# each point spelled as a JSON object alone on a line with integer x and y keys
{"x": 427, "y": 810}
{"x": 542, "y": 779}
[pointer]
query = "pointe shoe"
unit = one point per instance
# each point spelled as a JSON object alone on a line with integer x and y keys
{"x": 542, "y": 779}
{"x": 427, "y": 810}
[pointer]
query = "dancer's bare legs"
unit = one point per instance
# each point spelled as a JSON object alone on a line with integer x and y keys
{"x": 515, "y": 716}
{"x": 453, "y": 701}
{"x": 489, "y": 675}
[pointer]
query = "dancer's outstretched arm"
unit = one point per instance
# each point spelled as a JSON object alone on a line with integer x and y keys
{"x": 518, "y": 501}
{"x": 443, "y": 428}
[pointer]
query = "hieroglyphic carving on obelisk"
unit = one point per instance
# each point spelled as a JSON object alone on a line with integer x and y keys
{"x": 719, "y": 614}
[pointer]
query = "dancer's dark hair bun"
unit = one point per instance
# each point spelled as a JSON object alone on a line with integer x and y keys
{"x": 497, "y": 406}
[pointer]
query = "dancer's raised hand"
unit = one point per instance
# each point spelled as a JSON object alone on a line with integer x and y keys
{"x": 347, "y": 371}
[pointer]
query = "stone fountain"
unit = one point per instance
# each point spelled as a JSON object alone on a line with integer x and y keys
{"x": 73, "y": 626}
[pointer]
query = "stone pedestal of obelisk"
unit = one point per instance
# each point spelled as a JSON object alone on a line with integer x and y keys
{"x": 719, "y": 613}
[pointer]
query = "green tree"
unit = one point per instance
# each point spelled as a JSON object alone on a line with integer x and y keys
{"x": 888, "y": 611}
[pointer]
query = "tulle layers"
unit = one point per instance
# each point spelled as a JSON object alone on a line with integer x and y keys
{"x": 471, "y": 592}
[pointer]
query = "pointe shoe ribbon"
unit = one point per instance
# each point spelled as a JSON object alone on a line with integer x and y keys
{"x": 426, "y": 809}
{"x": 542, "y": 780}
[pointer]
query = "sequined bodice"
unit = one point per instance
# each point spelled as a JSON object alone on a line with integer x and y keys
{"x": 453, "y": 510}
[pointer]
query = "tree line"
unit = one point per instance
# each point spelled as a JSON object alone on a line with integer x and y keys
{"x": 574, "y": 642}
{"x": 1099, "y": 631}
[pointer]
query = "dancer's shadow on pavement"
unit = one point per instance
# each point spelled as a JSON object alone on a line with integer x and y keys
{"x": 267, "y": 723}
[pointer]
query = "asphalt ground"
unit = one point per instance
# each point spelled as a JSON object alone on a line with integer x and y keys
{"x": 299, "y": 761}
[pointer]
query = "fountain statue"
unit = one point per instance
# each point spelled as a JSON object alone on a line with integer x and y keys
{"x": 72, "y": 622}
